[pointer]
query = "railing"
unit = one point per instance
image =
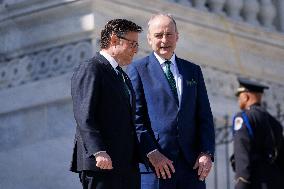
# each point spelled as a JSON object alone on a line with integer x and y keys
{"x": 223, "y": 140}
{"x": 264, "y": 13}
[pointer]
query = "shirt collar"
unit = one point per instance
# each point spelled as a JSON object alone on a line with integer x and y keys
{"x": 254, "y": 105}
{"x": 109, "y": 58}
{"x": 162, "y": 60}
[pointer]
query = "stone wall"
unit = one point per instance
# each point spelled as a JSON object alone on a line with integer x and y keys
{"x": 40, "y": 43}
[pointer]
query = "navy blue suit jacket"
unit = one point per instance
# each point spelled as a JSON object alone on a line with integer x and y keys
{"x": 104, "y": 117}
{"x": 160, "y": 122}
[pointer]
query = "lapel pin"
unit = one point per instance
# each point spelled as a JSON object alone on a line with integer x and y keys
{"x": 191, "y": 82}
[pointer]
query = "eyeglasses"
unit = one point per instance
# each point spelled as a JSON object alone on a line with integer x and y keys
{"x": 134, "y": 44}
{"x": 161, "y": 35}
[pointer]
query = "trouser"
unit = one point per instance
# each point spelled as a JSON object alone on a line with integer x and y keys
{"x": 185, "y": 177}
{"x": 110, "y": 180}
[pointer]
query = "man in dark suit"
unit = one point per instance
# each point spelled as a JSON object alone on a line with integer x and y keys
{"x": 105, "y": 152}
{"x": 258, "y": 141}
{"x": 173, "y": 116}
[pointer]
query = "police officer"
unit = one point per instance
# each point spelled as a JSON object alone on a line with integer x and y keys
{"x": 257, "y": 140}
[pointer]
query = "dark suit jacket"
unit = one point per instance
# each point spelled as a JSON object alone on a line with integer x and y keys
{"x": 104, "y": 117}
{"x": 160, "y": 122}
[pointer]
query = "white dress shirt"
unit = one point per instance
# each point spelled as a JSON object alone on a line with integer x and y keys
{"x": 109, "y": 58}
{"x": 174, "y": 70}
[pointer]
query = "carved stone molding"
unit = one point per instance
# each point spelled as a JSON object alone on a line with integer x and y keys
{"x": 43, "y": 64}
{"x": 224, "y": 84}
{"x": 255, "y": 12}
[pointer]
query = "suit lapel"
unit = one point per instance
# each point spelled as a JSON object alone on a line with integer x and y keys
{"x": 188, "y": 87}
{"x": 112, "y": 73}
{"x": 132, "y": 97}
{"x": 183, "y": 85}
{"x": 157, "y": 72}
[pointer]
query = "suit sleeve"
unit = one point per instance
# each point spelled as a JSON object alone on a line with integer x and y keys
{"x": 204, "y": 117}
{"x": 142, "y": 122}
{"x": 85, "y": 91}
{"x": 242, "y": 149}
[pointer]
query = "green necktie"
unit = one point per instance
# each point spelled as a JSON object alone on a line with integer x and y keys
{"x": 171, "y": 79}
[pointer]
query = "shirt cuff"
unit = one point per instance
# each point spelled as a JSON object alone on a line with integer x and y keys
{"x": 208, "y": 154}
{"x": 98, "y": 153}
{"x": 242, "y": 179}
{"x": 151, "y": 152}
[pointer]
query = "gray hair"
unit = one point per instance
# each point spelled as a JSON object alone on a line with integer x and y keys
{"x": 165, "y": 15}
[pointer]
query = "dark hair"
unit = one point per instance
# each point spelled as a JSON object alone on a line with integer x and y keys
{"x": 119, "y": 27}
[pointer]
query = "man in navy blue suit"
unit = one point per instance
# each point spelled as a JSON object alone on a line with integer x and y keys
{"x": 105, "y": 152}
{"x": 173, "y": 116}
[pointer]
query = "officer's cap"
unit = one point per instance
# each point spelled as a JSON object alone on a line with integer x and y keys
{"x": 247, "y": 85}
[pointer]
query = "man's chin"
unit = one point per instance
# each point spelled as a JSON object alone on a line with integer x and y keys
{"x": 166, "y": 54}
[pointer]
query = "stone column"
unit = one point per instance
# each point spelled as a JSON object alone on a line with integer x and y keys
{"x": 251, "y": 9}
{"x": 267, "y": 14}
{"x": 233, "y": 8}
{"x": 216, "y": 6}
{"x": 173, "y": 1}
{"x": 184, "y": 2}
{"x": 279, "y": 4}
{"x": 199, "y": 4}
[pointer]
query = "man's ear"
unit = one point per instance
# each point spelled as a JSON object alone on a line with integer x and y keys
{"x": 149, "y": 39}
{"x": 246, "y": 96}
{"x": 114, "y": 40}
{"x": 177, "y": 36}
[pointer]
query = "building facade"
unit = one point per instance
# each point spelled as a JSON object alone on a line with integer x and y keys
{"x": 42, "y": 41}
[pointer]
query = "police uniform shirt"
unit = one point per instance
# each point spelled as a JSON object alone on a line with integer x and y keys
{"x": 253, "y": 147}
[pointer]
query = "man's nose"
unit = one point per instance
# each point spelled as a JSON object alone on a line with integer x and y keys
{"x": 164, "y": 38}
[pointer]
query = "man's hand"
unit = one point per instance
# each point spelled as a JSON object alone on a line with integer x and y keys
{"x": 103, "y": 160}
{"x": 204, "y": 165}
{"x": 163, "y": 166}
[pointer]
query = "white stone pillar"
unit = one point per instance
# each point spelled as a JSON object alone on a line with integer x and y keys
{"x": 184, "y": 2}
{"x": 216, "y": 6}
{"x": 233, "y": 8}
{"x": 280, "y": 14}
{"x": 173, "y": 1}
{"x": 199, "y": 4}
{"x": 267, "y": 13}
{"x": 251, "y": 9}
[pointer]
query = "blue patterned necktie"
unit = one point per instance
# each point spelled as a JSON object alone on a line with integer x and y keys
{"x": 121, "y": 78}
{"x": 171, "y": 79}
